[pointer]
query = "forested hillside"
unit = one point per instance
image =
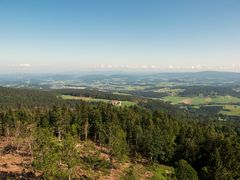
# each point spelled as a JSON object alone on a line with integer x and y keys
{"x": 29, "y": 98}
{"x": 59, "y": 135}
{"x": 208, "y": 91}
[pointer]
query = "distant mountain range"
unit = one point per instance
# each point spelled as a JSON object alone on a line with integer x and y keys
{"x": 25, "y": 80}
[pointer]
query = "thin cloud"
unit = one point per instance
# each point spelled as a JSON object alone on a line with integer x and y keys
{"x": 25, "y": 65}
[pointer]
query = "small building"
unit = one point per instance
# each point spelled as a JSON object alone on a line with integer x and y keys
{"x": 116, "y": 103}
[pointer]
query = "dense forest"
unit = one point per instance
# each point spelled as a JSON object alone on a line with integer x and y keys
{"x": 28, "y": 98}
{"x": 198, "y": 149}
{"x": 94, "y": 93}
{"x": 208, "y": 91}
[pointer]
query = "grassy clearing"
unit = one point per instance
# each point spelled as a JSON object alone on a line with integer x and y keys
{"x": 154, "y": 172}
{"x": 169, "y": 84}
{"x": 170, "y": 91}
{"x": 119, "y": 93}
{"x": 135, "y": 87}
{"x": 162, "y": 172}
{"x": 92, "y": 158}
{"x": 231, "y": 110}
{"x": 89, "y": 99}
{"x": 202, "y": 100}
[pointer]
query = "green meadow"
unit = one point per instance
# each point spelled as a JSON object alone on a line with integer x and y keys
{"x": 90, "y": 99}
{"x": 197, "y": 100}
{"x": 231, "y": 110}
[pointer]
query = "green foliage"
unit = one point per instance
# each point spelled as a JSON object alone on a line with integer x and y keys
{"x": 28, "y": 98}
{"x": 69, "y": 154}
{"x": 131, "y": 174}
{"x": 95, "y": 163}
{"x": 50, "y": 154}
{"x": 118, "y": 143}
{"x": 47, "y": 153}
{"x": 89, "y": 99}
{"x": 208, "y": 91}
{"x": 157, "y": 133}
{"x": 95, "y": 94}
{"x": 185, "y": 171}
{"x": 161, "y": 172}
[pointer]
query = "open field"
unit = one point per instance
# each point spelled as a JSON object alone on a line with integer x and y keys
{"x": 170, "y": 91}
{"x": 124, "y": 94}
{"x": 154, "y": 171}
{"x": 201, "y": 100}
{"x": 89, "y": 99}
{"x": 231, "y": 110}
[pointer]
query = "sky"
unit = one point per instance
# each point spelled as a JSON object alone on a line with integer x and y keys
{"x": 71, "y": 35}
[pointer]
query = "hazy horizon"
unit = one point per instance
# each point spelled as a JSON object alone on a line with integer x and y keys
{"x": 60, "y": 36}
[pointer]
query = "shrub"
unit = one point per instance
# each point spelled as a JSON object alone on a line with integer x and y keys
{"x": 185, "y": 171}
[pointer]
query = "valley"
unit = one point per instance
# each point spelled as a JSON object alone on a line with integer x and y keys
{"x": 136, "y": 129}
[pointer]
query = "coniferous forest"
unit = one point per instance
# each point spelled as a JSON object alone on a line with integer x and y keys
{"x": 119, "y": 90}
{"x": 51, "y": 130}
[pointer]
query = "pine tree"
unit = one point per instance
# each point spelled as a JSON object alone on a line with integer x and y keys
{"x": 185, "y": 171}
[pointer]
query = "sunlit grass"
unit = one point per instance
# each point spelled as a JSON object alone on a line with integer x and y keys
{"x": 197, "y": 100}
{"x": 90, "y": 99}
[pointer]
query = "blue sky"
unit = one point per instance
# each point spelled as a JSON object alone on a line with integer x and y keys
{"x": 65, "y": 35}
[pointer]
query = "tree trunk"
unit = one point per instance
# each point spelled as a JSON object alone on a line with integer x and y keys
{"x": 59, "y": 134}
{"x": 7, "y": 132}
{"x": 86, "y": 130}
{"x": 95, "y": 137}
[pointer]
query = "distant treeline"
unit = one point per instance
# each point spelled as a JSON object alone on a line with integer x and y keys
{"x": 148, "y": 94}
{"x": 29, "y": 98}
{"x": 205, "y": 111}
{"x": 94, "y": 94}
{"x": 207, "y": 91}
{"x": 141, "y": 101}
